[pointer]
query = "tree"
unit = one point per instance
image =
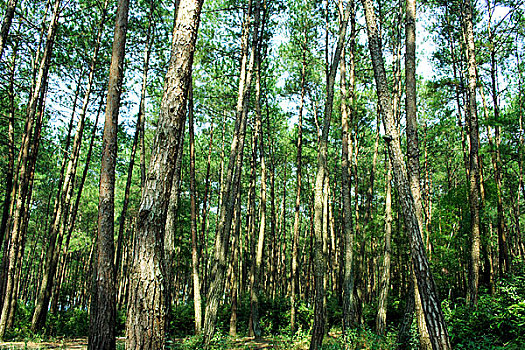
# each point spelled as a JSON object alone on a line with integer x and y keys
{"x": 146, "y": 320}
{"x": 431, "y": 307}
{"x": 322, "y": 175}
{"x": 103, "y": 308}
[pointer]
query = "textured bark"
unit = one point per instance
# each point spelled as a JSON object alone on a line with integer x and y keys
{"x": 473, "y": 281}
{"x": 235, "y": 267}
{"x": 504, "y": 258}
{"x": 430, "y": 302}
{"x": 233, "y": 172}
{"x": 297, "y": 218}
{"x": 139, "y": 129}
{"x": 6, "y": 24}
{"x": 347, "y": 112}
{"x": 103, "y": 300}
{"x": 146, "y": 320}
{"x": 172, "y": 242}
{"x": 413, "y": 167}
{"x": 255, "y": 329}
{"x": 319, "y": 258}
{"x": 384, "y": 285}
{"x": 24, "y": 173}
{"x": 194, "y": 249}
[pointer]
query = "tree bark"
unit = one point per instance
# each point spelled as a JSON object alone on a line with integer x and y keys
{"x": 319, "y": 258}
{"x": 430, "y": 302}
{"x": 138, "y": 131}
{"x": 6, "y": 24}
{"x": 255, "y": 329}
{"x": 297, "y": 218}
{"x": 347, "y": 112}
{"x": 103, "y": 299}
{"x": 385, "y": 273}
{"x": 233, "y": 172}
{"x": 194, "y": 249}
{"x": 146, "y": 320}
{"x": 472, "y": 295}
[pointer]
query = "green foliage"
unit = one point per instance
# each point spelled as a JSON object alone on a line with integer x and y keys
{"x": 498, "y": 321}
{"x": 71, "y": 323}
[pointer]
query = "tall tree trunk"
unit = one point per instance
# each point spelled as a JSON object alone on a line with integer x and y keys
{"x": 297, "y": 214}
{"x": 347, "y": 111}
{"x": 504, "y": 258}
{"x": 138, "y": 130}
{"x": 146, "y": 320}
{"x": 385, "y": 273}
{"x": 472, "y": 295}
{"x": 233, "y": 172}
{"x": 6, "y": 24}
{"x": 236, "y": 246}
{"x": 255, "y": 329}
{"x": 430, "y": 302}
{"x": 413, "y": 167}
{"x": 319, "y": 258}
{"x": 194, "y": 249}
{"x": 103, "y": 299}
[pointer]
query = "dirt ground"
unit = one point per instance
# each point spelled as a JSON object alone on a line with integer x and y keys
{"x": 81, "y": 344}
{"x": 59, "y": 344}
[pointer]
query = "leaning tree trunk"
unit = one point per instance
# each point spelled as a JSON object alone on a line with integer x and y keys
{"x": 427, "y": 288}
{"x": 146, "y": 320}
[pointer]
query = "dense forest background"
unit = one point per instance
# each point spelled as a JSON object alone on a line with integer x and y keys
{"x": 293, "y": 193}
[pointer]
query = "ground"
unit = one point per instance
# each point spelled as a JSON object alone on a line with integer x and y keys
{"x": 81, "y": 344}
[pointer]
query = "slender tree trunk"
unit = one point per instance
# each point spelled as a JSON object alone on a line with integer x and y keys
{"x": 103, "y": 299}
{"x": 138, "y": 130}
{"x": 233, "y": 173}
{"x": 472, "y": 295}
{"x": 347, "y": 111}
{"x": 235, "y": 267}
{"x": 430, "y": 302}
{"x": 297, "y": 214}
{"x": 146, "y": 320}
{"x": 6, "y": 24}
{"x": 194, "y": 244}
{"x": 413, "y": 167}
{"x": 504, "y": 258}
{"x": 319, "y": 259}
{"x": 385, "y": 273}
{"x": 255, "y": 329}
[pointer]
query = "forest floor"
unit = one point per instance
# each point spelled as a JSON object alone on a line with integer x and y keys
{"x": 58, "y": 344}
{"x": 81, "y": 344}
